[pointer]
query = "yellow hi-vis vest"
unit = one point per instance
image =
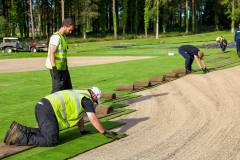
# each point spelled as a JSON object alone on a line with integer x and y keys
{"x": 61, "y": 53}
{"x": 67, "y": 106}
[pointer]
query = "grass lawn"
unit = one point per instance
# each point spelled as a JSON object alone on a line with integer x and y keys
{"x": 20, "y": 91}
{"x": 134, "y": 47}
{"x": 72, "y": 143}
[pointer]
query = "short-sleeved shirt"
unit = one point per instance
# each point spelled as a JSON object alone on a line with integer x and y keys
{"x": 54, "y": 40}
{"x": 189, "y": 49}
{"x": 88, "y": 105}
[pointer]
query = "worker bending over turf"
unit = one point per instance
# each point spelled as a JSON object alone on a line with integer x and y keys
{"x": 57, "y": 112}
{"x": 57, "y": 57}
{"x": 222, "y": 42}
{"x": 190, "y": 53}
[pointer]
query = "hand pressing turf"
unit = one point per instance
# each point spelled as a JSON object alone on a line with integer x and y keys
{"x": 113, "y": 135}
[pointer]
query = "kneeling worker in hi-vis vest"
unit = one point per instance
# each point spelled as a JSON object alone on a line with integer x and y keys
{"x": 56, "y": 112}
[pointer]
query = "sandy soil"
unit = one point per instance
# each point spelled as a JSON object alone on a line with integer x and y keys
{"x": 32, "y": 64}
{"x": 196, "y": 117}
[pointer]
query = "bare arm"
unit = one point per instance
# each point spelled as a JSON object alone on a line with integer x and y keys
{"x": 53, "y": 49}
{"x": 198, "y": 61}
{"x": 95, "y": 121}
{"x": 203, "y": 63}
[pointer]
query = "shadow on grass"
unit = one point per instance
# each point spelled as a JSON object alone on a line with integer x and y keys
{"x": 74, "y": 133}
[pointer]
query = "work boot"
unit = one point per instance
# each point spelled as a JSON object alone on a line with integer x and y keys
{"x": 13, "y": 124}
{"x": 14, "y": 134}
{"x": 188, "y": 71}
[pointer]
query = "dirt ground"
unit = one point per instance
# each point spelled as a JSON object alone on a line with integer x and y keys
{"x": 32, "y": 64}
{"x": 196, "y": 117}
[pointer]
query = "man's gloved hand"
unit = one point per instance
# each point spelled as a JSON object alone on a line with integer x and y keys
{"x": 113, "y": 135}
{"x": 110, "y": 134}
{"x": 55, "y": 72}
{"x": 205, "y": 70}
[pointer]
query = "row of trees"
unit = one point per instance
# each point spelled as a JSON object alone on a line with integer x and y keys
{"x": 43, "y": 17}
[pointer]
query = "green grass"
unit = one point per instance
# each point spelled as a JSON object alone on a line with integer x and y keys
{"x": 71, "y": 143}
{"x": 137, "y": 46}
{"x": 20, "y": 91}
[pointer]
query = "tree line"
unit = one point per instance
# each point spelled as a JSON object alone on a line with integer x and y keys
{"x": 41, "y": 18}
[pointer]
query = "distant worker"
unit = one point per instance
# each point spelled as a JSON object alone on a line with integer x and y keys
{"x": 237, "y": 40}
{"x": 57, "y": 57}
{"x": 190, "y": 53}
{"x": 55, "y": 112}
{"x": 222, "y": 42}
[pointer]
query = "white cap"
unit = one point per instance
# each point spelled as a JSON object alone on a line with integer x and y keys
{"x": 97, "y": 92}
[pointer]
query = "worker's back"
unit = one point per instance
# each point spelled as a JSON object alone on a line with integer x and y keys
{"x": 190, "y": 49}
{"x": 67, "y": 106}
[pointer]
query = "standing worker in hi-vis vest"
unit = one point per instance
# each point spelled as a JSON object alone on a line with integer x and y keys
{"x": 56, "y": 112}
{"x": 57, "y": 57}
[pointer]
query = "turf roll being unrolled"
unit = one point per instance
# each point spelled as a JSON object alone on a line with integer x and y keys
{"x": 124, "y": 88}
{"x": 140, "y": 85}
{"x": 179, "y": 71}
{"x": 170, "y": 75}
{"x": 103, "y": 110}
{"x": 156, "y": 80}
{"x": 109, "y": 96}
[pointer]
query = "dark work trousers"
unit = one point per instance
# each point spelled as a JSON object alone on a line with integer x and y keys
{"x": 188, "y": 59}
{"x": 223, "y": 46}
{"x": 238, "y": 47}
{"x": 61, "y": 81}
{"x": 48, "y": 132}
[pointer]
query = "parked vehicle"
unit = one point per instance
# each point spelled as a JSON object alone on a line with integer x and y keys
{"x": 39, "y": 47}
{"x": 12, "y": 44}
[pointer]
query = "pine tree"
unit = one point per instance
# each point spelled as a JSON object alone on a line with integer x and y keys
{"x": 147, "y": 16}
{"x": 125, "y": 15}
{"x": 114, "y": 18}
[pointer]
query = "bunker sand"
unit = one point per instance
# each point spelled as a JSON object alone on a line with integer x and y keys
{"x": 33, "y": 64}
{"x": 196, "y": 117}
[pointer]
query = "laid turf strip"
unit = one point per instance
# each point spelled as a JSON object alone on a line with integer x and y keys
{"x": 7, "y": 150}
{"x": 71, "y": 143}
{"x": 73, "y": 134}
